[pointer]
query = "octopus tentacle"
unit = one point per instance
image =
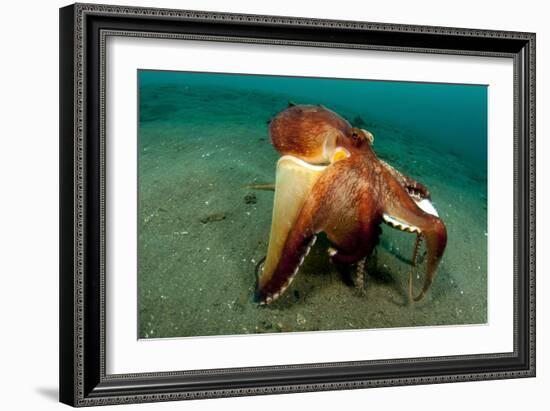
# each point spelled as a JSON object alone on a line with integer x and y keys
{"x": 407, "y": 216}
{"x": 298, "y": 246}
{"x": 360, "y": 274}
{"x": 417, "y": 243}
{"x": 301, "y": 237}
{"x": 415, "y": 189}
{"x": 287, "y": 242}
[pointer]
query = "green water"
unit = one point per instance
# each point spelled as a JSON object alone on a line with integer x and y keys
{"x": 203, "y": 138}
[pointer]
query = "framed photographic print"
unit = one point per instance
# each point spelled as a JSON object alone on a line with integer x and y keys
{"x": 260, "y": 204}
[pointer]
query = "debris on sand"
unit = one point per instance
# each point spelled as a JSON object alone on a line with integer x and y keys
{"x": 250, "y": 198}
{"x": 210, "y": 218}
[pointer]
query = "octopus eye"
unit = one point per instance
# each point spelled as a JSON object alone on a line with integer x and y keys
{"x": 354, "y": 135}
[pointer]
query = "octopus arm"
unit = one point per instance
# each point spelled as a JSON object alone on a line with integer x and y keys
{"x": 291, "y": 232}
{"x": 406, "y": 215}
{"x": 416, "y": 190}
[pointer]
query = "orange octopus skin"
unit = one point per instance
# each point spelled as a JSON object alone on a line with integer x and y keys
{"x": 350, "y": 199}
{"x": 309, "y": 132}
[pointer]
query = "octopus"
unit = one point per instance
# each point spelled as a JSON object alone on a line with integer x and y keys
{"x": 330, "y": 180}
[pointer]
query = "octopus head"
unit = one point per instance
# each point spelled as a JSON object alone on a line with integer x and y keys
{"x": 359, "y": 136}
{"x": 356, "y": 140}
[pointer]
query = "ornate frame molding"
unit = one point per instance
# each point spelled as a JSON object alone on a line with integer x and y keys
{"x": 82, "y": 336}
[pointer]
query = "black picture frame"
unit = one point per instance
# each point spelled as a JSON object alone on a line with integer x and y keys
{"x": 83, "y": 29}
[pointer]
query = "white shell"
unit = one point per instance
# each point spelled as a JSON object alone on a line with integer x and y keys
{"x": 427, "y": 206}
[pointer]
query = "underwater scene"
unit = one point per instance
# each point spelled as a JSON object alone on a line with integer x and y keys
{"x": 273, "y": 204}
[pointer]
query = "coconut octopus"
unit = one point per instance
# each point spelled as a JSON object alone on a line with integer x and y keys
{"x": 330, "y": 180}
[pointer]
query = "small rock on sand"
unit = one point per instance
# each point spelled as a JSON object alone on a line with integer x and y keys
{"x": 210, "y": 218}
{"x": 250, "y": 198}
